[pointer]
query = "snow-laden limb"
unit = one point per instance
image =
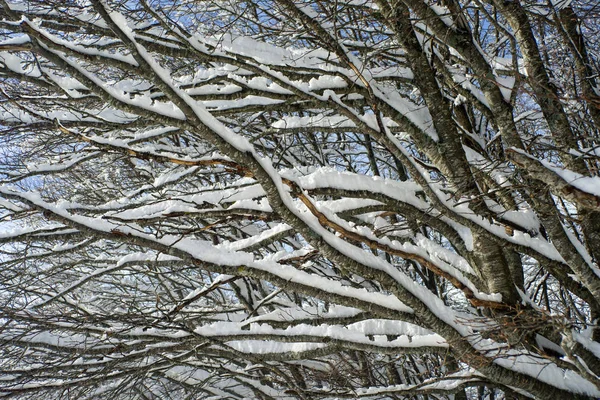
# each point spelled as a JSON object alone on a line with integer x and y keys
{"x": 582, "y": 190}
{"x": 448, "y": 385}
{"x": 353, "y": 184}
{"x": 203, "y": 253}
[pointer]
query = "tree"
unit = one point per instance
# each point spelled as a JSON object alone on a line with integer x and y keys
{"x": 299, "y": 199}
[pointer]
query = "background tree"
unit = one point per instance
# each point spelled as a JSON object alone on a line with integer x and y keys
{"x": 299, "y": 199}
